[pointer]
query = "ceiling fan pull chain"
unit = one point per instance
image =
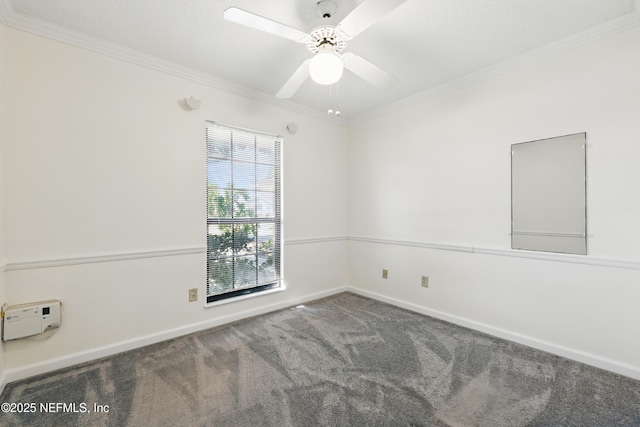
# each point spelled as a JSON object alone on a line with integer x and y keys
{"x": 337, "y": 113}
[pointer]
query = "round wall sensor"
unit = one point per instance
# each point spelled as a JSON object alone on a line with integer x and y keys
{"x": 292, "y": 128}
{"x": 193, "y": 103}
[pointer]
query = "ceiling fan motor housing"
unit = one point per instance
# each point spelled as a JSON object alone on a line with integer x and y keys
{"x": 323, "y": 37}
{"x": 326, "y": 43}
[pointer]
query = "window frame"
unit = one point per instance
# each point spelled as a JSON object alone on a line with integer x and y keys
{"x": 237, "y": 250}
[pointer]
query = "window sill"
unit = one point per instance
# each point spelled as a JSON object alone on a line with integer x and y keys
{"x": 229, "y": 300}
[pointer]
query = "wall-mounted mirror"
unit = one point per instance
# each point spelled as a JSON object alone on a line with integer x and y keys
{"x": 548, "y": 195}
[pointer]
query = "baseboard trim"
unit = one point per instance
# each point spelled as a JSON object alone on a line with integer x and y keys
{"x": 16, "y": 374}
{"x": 3, "y": 381}
{"x": 24, "y": 372}
{"x": 566, "y": 352}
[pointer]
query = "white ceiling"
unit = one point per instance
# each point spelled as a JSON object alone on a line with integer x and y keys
{"x": 426, "y": 44}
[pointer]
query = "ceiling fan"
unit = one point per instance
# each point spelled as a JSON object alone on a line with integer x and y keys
{"x": 326, "y": 42}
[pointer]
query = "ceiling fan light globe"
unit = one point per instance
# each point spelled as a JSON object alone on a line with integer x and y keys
{"x": 326, "y": 68}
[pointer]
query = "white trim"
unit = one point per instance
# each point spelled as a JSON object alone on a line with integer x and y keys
{"x": 32, "y": 25}
{"x": 313, "y": 240}
{"x": 11, "y": 18}
{"x": 231, "y": 300}
{"x": 560, "y": 350}
{"x": 91, "y": 259}
{"x": 3, "y": 381}
{"x": 543, "y": 256}
{"x": 125, "y": 256}
{"x": 456, "y": 248}
{"x": 575, "y": 259}
{"x": 5, "y": 11}
{"x": 23, "y": 372}
{"x": 10, "y": 375}
{"x": 614, "y": 26}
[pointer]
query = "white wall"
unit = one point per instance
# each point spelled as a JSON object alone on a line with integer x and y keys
{"x": 102, "y": 163}
{"x": 105, "y": 164}
{"x": 2, "y": 169}
{"x": 430, "y": 195}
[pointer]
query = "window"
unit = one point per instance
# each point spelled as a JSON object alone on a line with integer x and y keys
{"x": 243, "y": 212}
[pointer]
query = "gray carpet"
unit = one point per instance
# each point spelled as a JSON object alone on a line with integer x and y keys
{"x": 340, "y": 361}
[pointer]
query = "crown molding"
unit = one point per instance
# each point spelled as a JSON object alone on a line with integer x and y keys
{"x": 5, "y": 10}
{"x": 620, "y": 24}
{"x": 10, "y": 18}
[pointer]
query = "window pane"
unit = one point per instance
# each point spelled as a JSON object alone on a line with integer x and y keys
{"x": 219, "y": 173}
{"x": 244, "y": 147}
{"x": 220, "y": 241}
{"x": 244, "y": 175}
{"x": 266, "y": 237}
{"x": 265, "y": 204}
{"x": 244, "y": 239}
{"x": 220, "y": 276}
{"x": 244, "y": 204}
{"x": 219, "y": 203}
{"x": 219, "y": 142}
{"x": 245, "y": 271}
{"x": 265, "y": 152}
{"x": 266, "y": 268}
{"x": 265, "y": 177}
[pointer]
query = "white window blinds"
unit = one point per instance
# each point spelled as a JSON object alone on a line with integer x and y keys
{"x": 243, "y": 211}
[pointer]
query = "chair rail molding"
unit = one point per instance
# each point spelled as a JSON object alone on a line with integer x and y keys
{"x": 543, "y": 256}
{"x": 91, "y": 259}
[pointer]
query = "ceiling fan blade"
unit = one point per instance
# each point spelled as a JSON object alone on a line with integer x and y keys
{"x": 242, "y": 17}
{"x": 295, "y": 81}
{"x": 367, "y": 71}
{"x": 366, "y": 14}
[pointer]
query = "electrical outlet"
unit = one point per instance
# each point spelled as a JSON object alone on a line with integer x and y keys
{"x": 425, "y": 282}
{"x": 193, "y": 294}
{"x": 385, "y": 273}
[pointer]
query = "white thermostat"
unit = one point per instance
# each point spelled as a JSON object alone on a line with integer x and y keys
{"x": 24, "y": 320}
